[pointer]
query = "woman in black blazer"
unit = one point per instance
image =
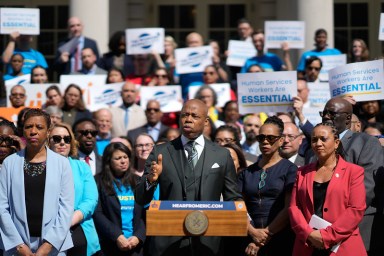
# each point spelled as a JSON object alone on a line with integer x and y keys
{"x": 119, "y": 220}
{"x": 74, "y": 107}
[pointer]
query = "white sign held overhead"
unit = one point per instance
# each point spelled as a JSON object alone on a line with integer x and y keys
{"x": 26, "y": 21}
{"x": 277, "y": 32}
{"x": 144, "y": 40}
{"x": 381, "y": 28}
{"x": 169, "y": 97}
{"x": 239, "y": 52}
{"x": 193, "y": 59}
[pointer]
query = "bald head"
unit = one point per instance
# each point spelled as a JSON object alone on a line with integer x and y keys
{"x": 338, "y": 111}
{"x": 75, "y": 27}
{"x": 194, "y": 40}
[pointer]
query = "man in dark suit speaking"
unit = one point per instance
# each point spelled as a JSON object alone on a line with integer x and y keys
{"x": 189, "y": 168}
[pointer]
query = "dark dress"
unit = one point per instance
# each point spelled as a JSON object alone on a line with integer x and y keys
{"x": 265, "y": 204}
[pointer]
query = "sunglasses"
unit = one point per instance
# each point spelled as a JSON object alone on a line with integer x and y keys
{"x": 161, "y": 76}
{"x": 152, "y": 109}
{"x": 270, "y": 138}
{"x": 57, "y": 139}
{"x": 263, "y": 176}
{"x": 7, "y": 140}
{"x": 86, "y": 132}
{"x": 331, "y": 114}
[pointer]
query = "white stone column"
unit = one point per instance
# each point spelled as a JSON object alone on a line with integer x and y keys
{"x": 94, "y": 15}
{"x": 316, "y": 14}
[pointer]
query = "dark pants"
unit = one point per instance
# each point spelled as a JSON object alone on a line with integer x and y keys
{"x": 79, "y": 242}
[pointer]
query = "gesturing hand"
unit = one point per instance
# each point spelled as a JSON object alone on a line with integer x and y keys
{"x": 316, "y": 240}
{"x": 156, "y": 169}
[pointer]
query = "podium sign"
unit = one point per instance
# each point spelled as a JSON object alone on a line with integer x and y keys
{"x": 197, "y": 218}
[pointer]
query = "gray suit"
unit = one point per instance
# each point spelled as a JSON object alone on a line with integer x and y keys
{"x": 136, "y": 119}
{"x": 218, "y": 177}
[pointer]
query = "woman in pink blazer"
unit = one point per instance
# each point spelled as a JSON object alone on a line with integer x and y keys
{"x": 332, "y": 189}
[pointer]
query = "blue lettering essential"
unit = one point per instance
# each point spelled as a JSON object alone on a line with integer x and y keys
{"x": 355, "y": 88}
{"x": 266, "y": 99}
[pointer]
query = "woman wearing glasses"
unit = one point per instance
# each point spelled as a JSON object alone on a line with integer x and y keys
{"x": 84, "y": 236}
{"x": 331, "y": 189}
{"x": 266, "y": 187}
{"x": 119, "y": 220}
{"x": 36, "y": 195}
{"x": 160, "y": 78}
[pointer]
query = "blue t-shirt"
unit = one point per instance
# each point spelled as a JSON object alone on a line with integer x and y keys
{"x": 269, "y": 62}
{"x": 101, "y": 144}
{"x": 127, "y": 203}
{"x": 328, "y": 51}
{"x": 32, "y": 58}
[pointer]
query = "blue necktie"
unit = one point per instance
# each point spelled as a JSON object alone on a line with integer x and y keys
{"x": 126, "y": 118}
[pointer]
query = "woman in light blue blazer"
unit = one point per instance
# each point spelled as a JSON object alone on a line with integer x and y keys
{"x": 36, "y": 195}
{"x": 84, "y": 236}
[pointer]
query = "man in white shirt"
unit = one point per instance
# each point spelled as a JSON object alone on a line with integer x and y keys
{"x": 292, "y": 141}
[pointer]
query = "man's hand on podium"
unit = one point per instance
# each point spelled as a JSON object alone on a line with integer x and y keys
{"x": 156, "y": 169}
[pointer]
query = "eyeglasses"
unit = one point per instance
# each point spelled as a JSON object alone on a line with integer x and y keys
{"x": 161, "y": 76}
{"x": 313, "y": 68}
{"x": 57, "y": 139}
{"x": 224, "y": 141}
{"x": 153, "y": 109}
{"x": 331, "y": 114}
{"x": 208, "y": 73}
{"x": 270, "y": 138}
{"x": 144, "y": 146}
{"x": 290, "y": 137}
{"x": 20, "y": 95}
{"x": 7, "y": 140}
{"x": 86, "y": 132}
{"x": 263, "y": 176}
{"x": 379, "y": 136}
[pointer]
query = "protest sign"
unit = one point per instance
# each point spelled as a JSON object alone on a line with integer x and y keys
{"x": 10, "y": 113}
{"x": 363, "y": 80}
{"x": 223, "y": 92}
{"x": 105, "y": 96}
{"x": 35, "y": 94}
{"x": 239, "y": 52}
{"x": 144, "y": 40}
{"x": 318, "y": 94}
{"x": 329, "y": 62}
{"x": 24, "y": 79}
{"x": 313, "y": 114}
{"x": 193, "y": 59}
{"x": 277, "y": 32}
{"x": 266, "y": 92}
{"x": 381, "y": 28}
{"x": 168, "y": 96}
{"x": 26, "y": 21}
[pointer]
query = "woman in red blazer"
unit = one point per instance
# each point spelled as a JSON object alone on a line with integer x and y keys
{"x": 332, "y": 189}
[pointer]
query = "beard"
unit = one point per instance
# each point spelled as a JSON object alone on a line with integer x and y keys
{"x": 250, "y": 136}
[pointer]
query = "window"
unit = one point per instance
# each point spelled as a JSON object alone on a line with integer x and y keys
{"x": 351, "y": 21}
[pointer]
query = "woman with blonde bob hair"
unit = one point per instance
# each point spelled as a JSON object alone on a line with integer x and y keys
{"x": 84, "y": 236}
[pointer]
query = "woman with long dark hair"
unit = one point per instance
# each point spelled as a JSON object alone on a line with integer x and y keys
{"x": 74, "y": 107}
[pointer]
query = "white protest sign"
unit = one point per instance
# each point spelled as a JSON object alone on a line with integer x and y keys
{"x": 35, "y": 94}
{"x": 313, "y": 114}
{"x": 223, "y": 92}
{"x": 85, "y": 82}
{"x": 26, "y": 21}
{"x": 363, "y": 80}
{"x": 266, "y": 91}
{"x": 277, "y": 32}
{"x": 24, "y": 79}
{"x": 318, "y": 94}
{"x": 169, "y": 97}
{"x": 193, "y": 59}
{"x": 381, "y": 28}
{"x": 239, "y": 52}
{"x": 105, "y": 96}
{"x": 330, "y": 62}
{"x": 144, "y": 40}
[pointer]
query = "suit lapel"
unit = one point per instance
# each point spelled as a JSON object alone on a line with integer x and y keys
{"x": 309, "y": 184}
{"x": 345, "y": 144}
{"x": 19, "y": 193}
{"x": 337, "y": 178}
{"x": 179, "y": 160}
{"x": 208, "y": 151}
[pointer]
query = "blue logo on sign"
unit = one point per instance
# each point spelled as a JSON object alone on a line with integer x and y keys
{"x": 143, "y": 37}
{"x": 145, "y": 40}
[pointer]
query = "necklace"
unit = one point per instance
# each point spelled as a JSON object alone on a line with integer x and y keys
{"x": 34, "y": 169}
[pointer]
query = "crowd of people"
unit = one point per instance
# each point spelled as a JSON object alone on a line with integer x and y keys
{"x": 76, "y": 182}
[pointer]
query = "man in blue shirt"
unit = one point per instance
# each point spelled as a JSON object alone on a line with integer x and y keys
{"x": 320, "y": 50}
{"x": 22, "y": 44}
{"x": 268, "y": 61}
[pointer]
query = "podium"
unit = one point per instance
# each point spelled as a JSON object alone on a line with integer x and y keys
{"x": 197, "y": 218}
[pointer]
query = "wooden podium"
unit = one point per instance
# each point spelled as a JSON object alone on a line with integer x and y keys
{"x": 172, "y": 218}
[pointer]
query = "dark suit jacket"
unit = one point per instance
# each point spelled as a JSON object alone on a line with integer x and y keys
{"x": 108, "y": 222}
{"x": 132, "y": 135}
{"x": 215, "y": 181}
{"x": 299, "y": 161}
{"x": 106, "y": 62}
{"x": 65, "y": 68}
{"x": 365, "y": 151}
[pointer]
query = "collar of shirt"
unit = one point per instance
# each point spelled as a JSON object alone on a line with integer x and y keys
{"x": 92, "y": 156}
{"x": 156, "y": 127}
{"x": 292, "y": 159}
{"x": 200, "y": 143}
{"x": 341, "y": 135}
